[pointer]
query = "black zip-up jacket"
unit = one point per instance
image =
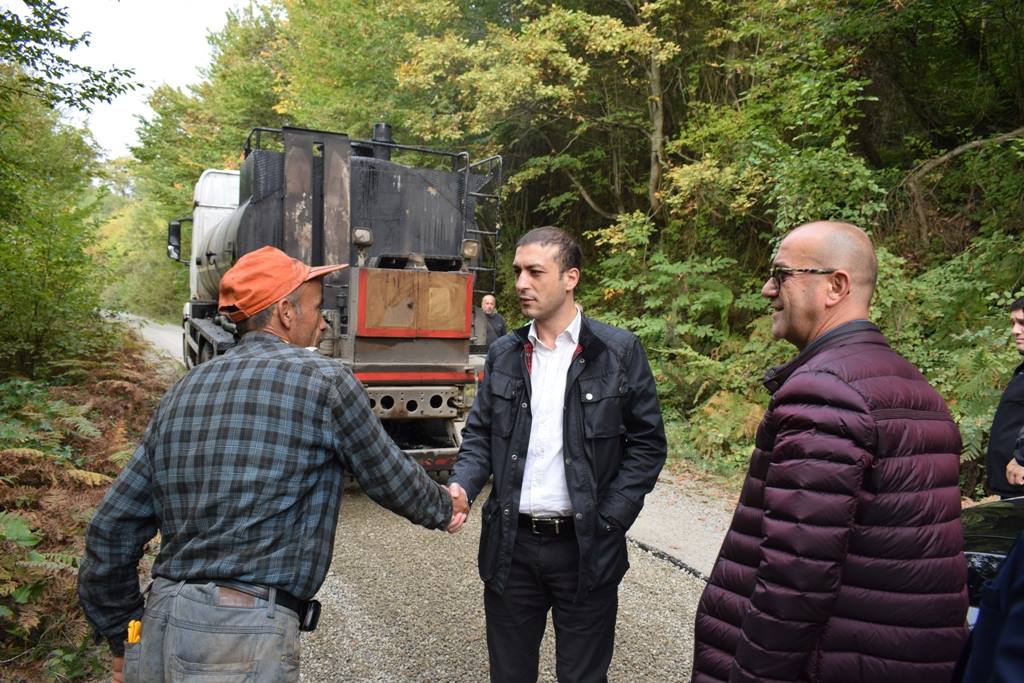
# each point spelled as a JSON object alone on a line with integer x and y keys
{"x": 613, "y": 445}
{"x": 1006, "y": 438}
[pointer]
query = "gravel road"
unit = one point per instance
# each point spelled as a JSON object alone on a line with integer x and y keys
{"x": 405, "y": 604}
{"x": 165, "y": 339}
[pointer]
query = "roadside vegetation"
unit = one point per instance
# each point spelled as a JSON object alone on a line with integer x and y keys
{"x": 75, "y": 392}
{"x": 63, "y": 438}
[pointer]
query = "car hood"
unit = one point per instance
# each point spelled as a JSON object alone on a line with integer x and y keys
{"x": 993, "y": 527}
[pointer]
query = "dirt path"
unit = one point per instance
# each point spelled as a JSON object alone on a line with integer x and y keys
{"x": 165, "y": 339}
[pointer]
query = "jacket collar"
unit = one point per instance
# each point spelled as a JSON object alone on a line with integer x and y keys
{"x": 590, "y": 343}
{"x": 855, "y": 331}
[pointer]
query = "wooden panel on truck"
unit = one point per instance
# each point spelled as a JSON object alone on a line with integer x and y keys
{"x": 442, "y": 304}
{"x": 414, "y": 303}
{"x": 387, "y": 299}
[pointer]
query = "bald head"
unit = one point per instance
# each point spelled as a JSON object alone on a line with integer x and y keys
{"x": 841, "y": 246}
{"x": 823, "y": 276}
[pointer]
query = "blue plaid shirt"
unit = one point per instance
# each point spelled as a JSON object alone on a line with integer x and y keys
{"x": 241, "y": 472}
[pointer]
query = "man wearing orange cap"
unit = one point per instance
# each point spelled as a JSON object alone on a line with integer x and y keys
{"x": 241, "y": 473}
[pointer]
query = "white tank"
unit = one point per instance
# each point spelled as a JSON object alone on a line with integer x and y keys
{"x": 215, "y": 198}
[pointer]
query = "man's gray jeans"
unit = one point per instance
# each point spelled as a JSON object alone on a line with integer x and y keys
{"x": 202, "y": 632}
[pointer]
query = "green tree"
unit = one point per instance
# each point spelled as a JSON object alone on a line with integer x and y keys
{"x": 45, "y": 231}
{"x": 37, "y": 42}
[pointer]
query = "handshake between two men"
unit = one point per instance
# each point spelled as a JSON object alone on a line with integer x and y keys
{"x": 460, "y": 507}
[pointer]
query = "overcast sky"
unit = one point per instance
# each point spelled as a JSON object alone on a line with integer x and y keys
{"x": 165, "y": 42}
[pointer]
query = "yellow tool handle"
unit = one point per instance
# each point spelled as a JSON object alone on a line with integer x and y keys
{"x": 134, "y": 631}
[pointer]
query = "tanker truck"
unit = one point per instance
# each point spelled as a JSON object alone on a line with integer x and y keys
{"x": 418, "y": 228}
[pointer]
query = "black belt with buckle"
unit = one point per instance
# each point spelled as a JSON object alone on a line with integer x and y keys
{"x": 546, "y": 526}
{"x": 308, "y": 610}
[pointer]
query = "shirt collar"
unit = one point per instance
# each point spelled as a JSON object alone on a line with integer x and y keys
{"x": 572, "y": 332}
{"x": 259, "y": 336}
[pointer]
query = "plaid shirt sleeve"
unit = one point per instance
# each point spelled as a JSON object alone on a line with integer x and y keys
{"x": 387, "y": 475}
{"x": 108, "y": 580}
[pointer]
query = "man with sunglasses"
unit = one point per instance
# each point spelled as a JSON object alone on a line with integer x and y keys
{"x": 844, "y": 558}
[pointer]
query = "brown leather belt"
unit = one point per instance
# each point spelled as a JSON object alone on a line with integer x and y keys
{"x": 547, "y": 526}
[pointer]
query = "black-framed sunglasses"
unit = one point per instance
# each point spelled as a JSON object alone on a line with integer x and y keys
{"x": 778, "y": 274}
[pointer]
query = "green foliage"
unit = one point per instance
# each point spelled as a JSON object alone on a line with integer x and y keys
{"x": 952, "y": 322}
{"x": 666, "y": 302}
{"x": 73, "y": 663}
{"x": 138, "y": 276}
{"x": 46, "y": 204}
{"x": 55, "y": 436}
{"x": 14, "y": 530}
{"x": 338, "y": 62}
{"x": 31, "y": 419}
{"x": 23, "y": 574}
{"x": 38, "y": 43}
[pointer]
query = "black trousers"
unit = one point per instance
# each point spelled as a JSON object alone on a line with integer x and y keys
{"x": 543, "y": 577}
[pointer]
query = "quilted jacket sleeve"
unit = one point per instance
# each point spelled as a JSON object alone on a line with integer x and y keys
{"x": 824, "y": 438}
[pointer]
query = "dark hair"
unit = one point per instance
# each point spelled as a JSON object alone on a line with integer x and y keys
{"x": 1017, "y": 305}
{"x": 569, "y": 254}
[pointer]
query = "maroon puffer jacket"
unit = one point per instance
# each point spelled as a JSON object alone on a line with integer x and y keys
{"x": 844, "y": 558}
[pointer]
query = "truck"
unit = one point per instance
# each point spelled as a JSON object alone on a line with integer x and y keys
{"x": 417, "y": 226}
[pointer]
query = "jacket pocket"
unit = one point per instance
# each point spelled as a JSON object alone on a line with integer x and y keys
{"x": 601, "y": 398}
{"x": 610, "y": 559}
{"x": 507, "y": 398}
{"x": 490, "y": 539}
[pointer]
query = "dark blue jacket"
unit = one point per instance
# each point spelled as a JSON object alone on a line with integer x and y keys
{"x": 614, "y": 446}
{"x": 997, "y": 644}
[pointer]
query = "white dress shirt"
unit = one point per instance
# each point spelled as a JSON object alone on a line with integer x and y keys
{"x": 545, "y": 492}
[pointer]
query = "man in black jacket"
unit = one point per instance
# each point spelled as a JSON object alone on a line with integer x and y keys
{"x": 567, "y": 420}
{"x": 1006, "y": 439}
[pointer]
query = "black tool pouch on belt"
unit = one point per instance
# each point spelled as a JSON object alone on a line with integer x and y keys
{"x": 309, "y": 616}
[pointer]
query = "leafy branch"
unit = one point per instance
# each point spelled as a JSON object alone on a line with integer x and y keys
{"x": 35, "y": 42}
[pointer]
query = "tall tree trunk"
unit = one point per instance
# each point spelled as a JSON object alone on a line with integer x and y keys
{"x": 620, "y": 206}
{"x": 657, "y": 113}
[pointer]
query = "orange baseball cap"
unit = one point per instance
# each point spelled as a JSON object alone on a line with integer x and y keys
{"x": 261, "y": 278}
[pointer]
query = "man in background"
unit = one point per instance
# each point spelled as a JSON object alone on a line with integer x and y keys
{"x": 844, "y": 560}
{"x": 495, "y": 322}
{"x": 568, "y": 423}
{"x": 1005, "y": 459}
{"x": 241, "y": 473}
